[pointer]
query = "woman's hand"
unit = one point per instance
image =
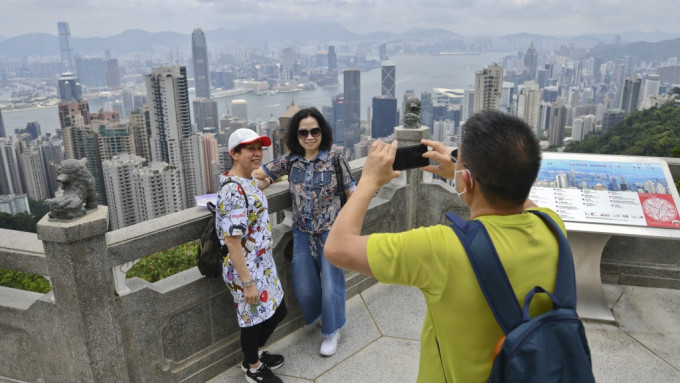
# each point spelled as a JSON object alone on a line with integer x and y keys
{"x": 250, "y": 294}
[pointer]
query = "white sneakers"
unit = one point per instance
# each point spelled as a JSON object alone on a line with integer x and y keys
{"x": 330, "y": 345}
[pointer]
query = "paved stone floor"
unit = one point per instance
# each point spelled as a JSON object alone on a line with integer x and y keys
{"x": 380, "y": 342}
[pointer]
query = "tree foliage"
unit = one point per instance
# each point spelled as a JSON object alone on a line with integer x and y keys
{"x": 651, "y": 132}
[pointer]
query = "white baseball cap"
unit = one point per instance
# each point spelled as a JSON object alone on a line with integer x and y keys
{"x": 247, "y": 136}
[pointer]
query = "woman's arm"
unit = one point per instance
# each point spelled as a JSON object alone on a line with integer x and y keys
{"x": 238, "y": 259}
{"x": 263, "y": 180}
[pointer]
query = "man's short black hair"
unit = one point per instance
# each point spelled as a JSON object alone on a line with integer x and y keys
{"x": 503, "y": 154}
{"x": 292, "y": 137}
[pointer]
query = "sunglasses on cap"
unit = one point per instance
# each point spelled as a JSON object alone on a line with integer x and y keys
{"x": 303, "y": 133}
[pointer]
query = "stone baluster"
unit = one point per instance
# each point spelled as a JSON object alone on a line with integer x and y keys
{"x": 84, "y": 293}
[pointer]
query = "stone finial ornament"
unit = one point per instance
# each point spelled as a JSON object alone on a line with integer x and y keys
{"x": 412, "y": 113}
{"x": 77, "y": 188}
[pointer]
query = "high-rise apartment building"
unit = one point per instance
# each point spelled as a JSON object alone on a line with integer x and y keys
{"x": 468, "y": 103}
{"x": 33, "y": 171}
{"x": 52, "y": 155}
{"x": 139, "y": 126}
{"x": 338, "y": 119}
{"x": 611, "y": 118}
{"x": 193, "y": 168}
{"x": 630, "y": 94}
{"x": 65, "y": 45}
{"x": 557, "y": 123}
{"x": 239, "y": 108}
{"x": 119, "y": 189}
{"x": 114, "y": 138}
{"x": 488, "y": 87}
{"x": 388, "y": 71}
{"x": 156, "y": 190}
{"x": 10, "y": 176}
{"x": 69, "y": 88}
{"x": 652, "y": 84}
{"x": 168, "y": 96}
{"x": 112, "y": 74}
{"x": 352, "y": 92}
{"x": 205, "y": 114}
{"x": 528, "y": 105}
{"x": 210, "y": 155}
{"x": 426, "y": 110}
{"x": 385, "y": 116}
{"x": 199, "y": 54}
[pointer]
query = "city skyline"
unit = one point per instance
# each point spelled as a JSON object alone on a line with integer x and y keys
{"x": 464, "y": 17}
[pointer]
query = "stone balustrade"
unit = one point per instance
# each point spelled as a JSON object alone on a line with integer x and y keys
{"x": 97, "y": 326}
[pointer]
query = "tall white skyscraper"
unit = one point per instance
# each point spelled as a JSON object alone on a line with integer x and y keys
{"x": 199, "y": 54}
{"x": 119, "y": 189}
{"x": 652, "y": 85}
{"x": 168, "y": 99}
{"x": 65, "y": 45}
{"x": 193, "y": 167}
{"x": 488, "y": 87}
{"x": 468, "y": 103}
{"x": 210, "y": 156}
{"x": 528, "y": 105}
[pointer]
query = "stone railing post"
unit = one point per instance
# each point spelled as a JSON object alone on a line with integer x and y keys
{"x": 412, "y": 136}
{"x": 84, "y": 293}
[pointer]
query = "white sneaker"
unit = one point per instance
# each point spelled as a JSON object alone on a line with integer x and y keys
{"x": 330, "y": 345}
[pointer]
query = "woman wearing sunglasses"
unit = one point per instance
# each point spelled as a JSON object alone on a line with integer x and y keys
{"x": 318, "y": 285}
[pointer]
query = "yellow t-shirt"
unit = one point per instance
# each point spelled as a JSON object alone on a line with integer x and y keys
{"x": 460, "y": 332}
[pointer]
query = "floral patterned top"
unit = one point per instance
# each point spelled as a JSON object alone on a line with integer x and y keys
{"x": 313, "y": 188}
{"x": 232, "y": 218}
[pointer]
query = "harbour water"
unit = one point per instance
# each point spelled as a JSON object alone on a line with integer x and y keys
{"x": 416, "y": 73}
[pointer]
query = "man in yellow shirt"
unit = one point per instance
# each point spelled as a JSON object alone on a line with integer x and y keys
{"x": 494, "y": 169}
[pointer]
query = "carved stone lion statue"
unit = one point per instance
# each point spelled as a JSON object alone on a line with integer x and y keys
{"x": 412, "y": 113}
{"x": 78, "y": 191}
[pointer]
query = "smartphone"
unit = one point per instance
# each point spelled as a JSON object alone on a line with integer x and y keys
{"x": 409, "y": 157}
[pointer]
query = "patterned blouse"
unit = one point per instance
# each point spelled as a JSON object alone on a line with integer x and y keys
{"x": 313, "y": 188}
{"x": 252, "y": 225}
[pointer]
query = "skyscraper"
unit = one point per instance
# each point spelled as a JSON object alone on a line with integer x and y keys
{"x": 199, "y": 54}
{"x": 168, "y": 97}
{"x": 488, "y": 87}
{"x": 239, "y": 108}
{"x": 530, "y": 63}
{"x": 630, "y": 94}
{"x": 557, "y": 124}
{"x": 120, "y": 189}
{"x": 332, "y": 61}
{"x": 385, "y": 116}
{"x": 92, "y": 73}
{"x": 65, "y": 45}
{"x": 352, "y": 91}
{"x": 2, "y": 126}
{"x": 69, "y": 87}
{"x": 651, "y": 88}
{"x": 10, "y": 176}
{"x": 33, "y": 171}
{"x": 528, "y": 105}
{"x": 388, "y": 71}
{"x": 205, "y": 114}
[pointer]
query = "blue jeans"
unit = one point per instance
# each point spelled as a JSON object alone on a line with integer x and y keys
{"x": 318, "y": 285}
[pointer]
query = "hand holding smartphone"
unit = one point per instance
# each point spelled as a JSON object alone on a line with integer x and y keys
{"x": 410, "y": 157}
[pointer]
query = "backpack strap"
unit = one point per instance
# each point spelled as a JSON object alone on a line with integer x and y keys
{"x": 493, "y": 280}
{"x": 489, "y": 271}
{"x": 230, "y": 180}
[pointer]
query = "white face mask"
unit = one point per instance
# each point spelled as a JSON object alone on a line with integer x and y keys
{"x": 460, "y": 194}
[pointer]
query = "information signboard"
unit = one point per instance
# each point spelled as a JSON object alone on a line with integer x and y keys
{"x": 620, "y": 190}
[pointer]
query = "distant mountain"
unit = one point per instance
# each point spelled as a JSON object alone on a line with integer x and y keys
{"x": 132, "y": 40}
{"x": 283, "y": 33}
{"x": 30, "y": 44}
{"x": 639, "y": 51}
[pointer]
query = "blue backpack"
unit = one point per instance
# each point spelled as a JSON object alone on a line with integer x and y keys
{"x": 551, "y": 347}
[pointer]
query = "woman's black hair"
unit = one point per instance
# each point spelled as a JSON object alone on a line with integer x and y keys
{"x": 291, "y": 136}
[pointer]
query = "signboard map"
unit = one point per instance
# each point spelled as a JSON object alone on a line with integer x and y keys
{"x": 626, "y": 191}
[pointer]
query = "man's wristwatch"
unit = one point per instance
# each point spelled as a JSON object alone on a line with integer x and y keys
{"x": 248, "y": 283}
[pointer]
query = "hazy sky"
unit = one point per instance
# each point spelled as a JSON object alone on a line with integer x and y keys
{"x": 90, "y": 18}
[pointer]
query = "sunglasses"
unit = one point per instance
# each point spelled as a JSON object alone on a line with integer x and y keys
{"x": 303, "y": 133}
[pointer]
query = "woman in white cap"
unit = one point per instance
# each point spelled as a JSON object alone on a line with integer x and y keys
{"x": 317, "y": 176}
{"x": 242, "y": 224}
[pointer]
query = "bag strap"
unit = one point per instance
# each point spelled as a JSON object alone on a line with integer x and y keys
{"x": 338, "y": 174}
{"x": 230, "y": 180}
{"x": 493, "y": 280}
